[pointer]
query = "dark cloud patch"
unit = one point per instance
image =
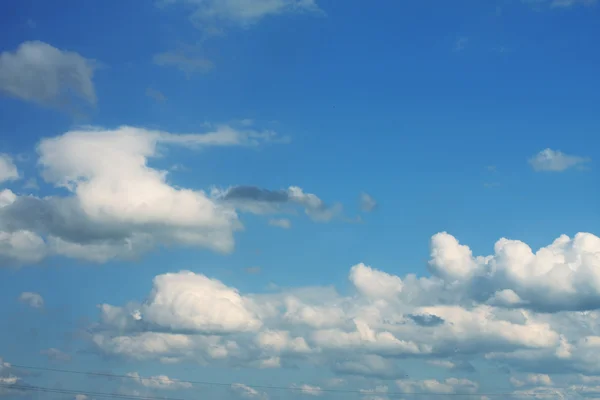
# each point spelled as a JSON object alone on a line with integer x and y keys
{"x": 256, "y": 194}
{"x": 426, "y": 320}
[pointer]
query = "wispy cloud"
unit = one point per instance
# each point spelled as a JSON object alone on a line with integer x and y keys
{"x": 184, "y": 61}
{"x": 461, "y": 43}
{"x": 156, "y": 95}
{"x": 367, "y": 202}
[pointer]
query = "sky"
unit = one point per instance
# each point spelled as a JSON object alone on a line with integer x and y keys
{"x": 287, "y": 199}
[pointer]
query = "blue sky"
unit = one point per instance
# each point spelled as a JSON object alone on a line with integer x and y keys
{"x": 275, "y": 145}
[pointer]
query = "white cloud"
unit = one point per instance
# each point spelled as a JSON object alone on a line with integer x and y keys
{"x": 367, "y": 203}
{"x": 41, "y": 73}
{"x": 448, "y": 386}
{"x": 308, "y": 389}
{"x": 441, "y": 320}
{"x": 159, "y": 382}
{"x": 34, "y": 300}
{"x": 119, "y": 206}
{"x": 556, "y": 161}
{"x": 283, "y": 223}
{"x": 245, "y": 12}
{"x": 247, "y": 392}
{"x": 8, "y": 170}
{"x": 189, "y": 302}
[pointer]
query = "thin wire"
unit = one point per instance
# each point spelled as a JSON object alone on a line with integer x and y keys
{"x": 295, "y": 389}
{"x": 85, "y": 392}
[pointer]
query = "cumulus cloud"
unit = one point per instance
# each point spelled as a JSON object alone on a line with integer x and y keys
{"x": 159, "y": 382}
{"x": 33, "y": 300}
{"x": 8, "y": 378}
{"x": 556, "y": 161}
{"x": 444, "y": 319}
{"x": 8, "y": 170}
{"x": 448, "y": 386}
{"x": 118, "y": 206}
{"x": 257, "y": 200}
{"x": 41, "y": 73}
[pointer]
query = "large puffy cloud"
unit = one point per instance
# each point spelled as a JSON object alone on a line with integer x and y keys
{"x": 118, "y": 206}
{"x": 41, "y": 73}
{"x": 562, "y": 276}
{"x": 441, "y": 321}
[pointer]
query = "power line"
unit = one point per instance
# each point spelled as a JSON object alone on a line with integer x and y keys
{"x": 76, "y": 392}
{"x": 267, "y": 387}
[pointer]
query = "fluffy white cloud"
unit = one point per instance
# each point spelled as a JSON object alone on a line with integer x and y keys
{"x": 8, "y": 170}
{"x": 34, "y": 300}
{"x": 445, "y": 320}
{"x": 189, "y": 302}
{"x": 9, "y": 377}
{"x": 41, "y": 73}
{"x": 556, "y": 161}
{"x": 159, "y": 382}
{"x": 119, "y": 206}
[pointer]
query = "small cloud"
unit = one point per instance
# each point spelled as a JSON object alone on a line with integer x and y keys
{"x": 178, "y": 167}
{"x": 461, "y": 43}
{"x": 183, "y": 61}
{"x": 308, "y": 389}
{"x": 8, "y": 169}
{"x": 43, "y": 74}
{"x": 253, "y": 270}
{"x": 281, "y": 223}
{"x": 491, "y": 168}
{"x": 32, "y": 299}
{"x": 367, "y": 202}
{"x": 156, "y": 95}
{"x": 31, "y": 184}
{"x": 247, "y": 392}
{"x": 538, "y": 4}
{"x": 556, "y": 161}
{"x": 56, "y": 355}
